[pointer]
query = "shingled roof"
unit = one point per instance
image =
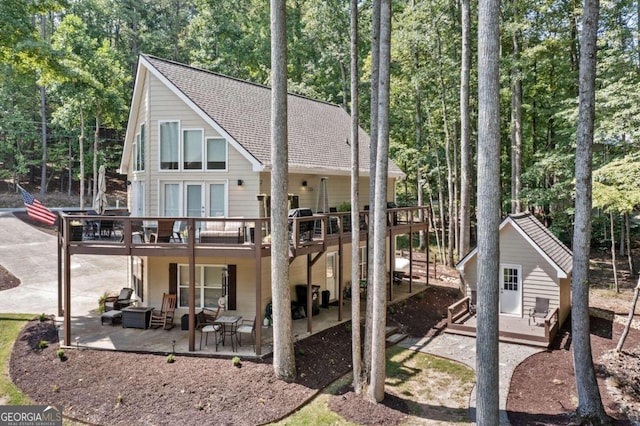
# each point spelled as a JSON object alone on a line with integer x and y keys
{"x": 545, "y": 240}
{"x": 318, "y": 131}
{"x": 541, "y": 239}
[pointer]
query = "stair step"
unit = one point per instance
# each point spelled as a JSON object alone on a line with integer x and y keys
{"x": 396, "y": 338}
{"x": 390, "y": 330}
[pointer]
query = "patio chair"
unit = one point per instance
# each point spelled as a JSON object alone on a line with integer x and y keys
{"x": 541, "y": 310}
{"x": 205, "y": 322}
{"x": 473, "y": 301}
{"x": 166, "y": 232}
{"x": 247, "y": 326}
{"x": 164, "y": 317}
{"x": 120, "y": 301}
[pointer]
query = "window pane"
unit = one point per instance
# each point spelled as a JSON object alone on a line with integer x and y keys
{"x": 217, "y": 200}
{"x": 171, "y": 199}
{"x": 194, "y": 200}
{"x": 192, "y": 150}
{"x": 141, "y": 146}
{"x": 136, "y": 154}
{"x": 216, "y": 154}
{"x": 169, "y": 146}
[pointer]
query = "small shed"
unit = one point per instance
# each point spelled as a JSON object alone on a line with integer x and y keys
{"x": 533, "y": 263}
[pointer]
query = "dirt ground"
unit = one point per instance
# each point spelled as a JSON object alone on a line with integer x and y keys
{"x": 103, "y": 387}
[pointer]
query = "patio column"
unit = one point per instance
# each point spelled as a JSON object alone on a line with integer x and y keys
{"x": 257, "y": 247}
{"x": 67, "y": 293}
{"x": 60, "y": 269}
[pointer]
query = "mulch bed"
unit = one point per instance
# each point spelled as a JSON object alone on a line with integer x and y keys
{"x": 543, "y": 388}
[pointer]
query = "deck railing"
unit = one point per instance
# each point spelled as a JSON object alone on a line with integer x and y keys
{"x": 116, "y": 231}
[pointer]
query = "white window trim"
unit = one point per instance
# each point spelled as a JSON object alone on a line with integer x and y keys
{"x": 179, "y": 169}
{"x": 226, "y": 154}
{"x": 199, "y": 303}
{"x": 203, "y": 148}
{"x": 161, "y": 197}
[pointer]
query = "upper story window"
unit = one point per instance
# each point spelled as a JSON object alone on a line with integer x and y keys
{"x": 216, "y": 154}
{"x": 139, "y": 150}
{"x": 169, "y": 145}
{"x": 192, "y": 150}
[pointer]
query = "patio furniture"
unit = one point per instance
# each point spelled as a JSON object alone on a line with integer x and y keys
{"x": 541, "y": 310}
{"x": 111, "y": 317}
{"x": 229, "y": 325}
{"x": 165, "y": 232}
{"x": 120, "y": 301}
{"x": 247, "y": 326}
{"x": 136, "y": 317}
{"x": 164, "y": 317}
{"x": 210, "y": 328}
{"x": 473, "y": 302}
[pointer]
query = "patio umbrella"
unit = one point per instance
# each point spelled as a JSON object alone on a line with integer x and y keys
{"x": 100, "y": 201}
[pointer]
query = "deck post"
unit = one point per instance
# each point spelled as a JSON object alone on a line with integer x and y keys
{"x": 192, "y": 285}
{"x": 257, "y": 247}
{"x": 67, "y": 290}
{"x": 60, "y": 269}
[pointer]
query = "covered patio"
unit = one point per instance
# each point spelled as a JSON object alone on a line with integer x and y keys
{"x": 512, "y": 329}
{"x": 88, "y": 332}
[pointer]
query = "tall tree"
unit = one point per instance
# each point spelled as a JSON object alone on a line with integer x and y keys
{"x": 378, "y": 346}
{"x": 488, "y": 211}
{"x": 516, "y": 112}
{"x": 465, "y": 130}
{"x": 284, "y": 362}
{"x": 356, "y": 338}
{"x": 590, "y": 409}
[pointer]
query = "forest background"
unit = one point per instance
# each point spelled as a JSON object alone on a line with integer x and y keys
{"x": 68, "y": 67}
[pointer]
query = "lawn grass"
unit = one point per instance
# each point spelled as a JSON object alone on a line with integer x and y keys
{"x": 10, "y": 326}
{"x": 408, "y": 374}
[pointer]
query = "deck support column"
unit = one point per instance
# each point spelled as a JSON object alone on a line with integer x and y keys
{"x": 67, "y": 291}
{"x": 192, "y": 285}
{"x": 257, "y": 241}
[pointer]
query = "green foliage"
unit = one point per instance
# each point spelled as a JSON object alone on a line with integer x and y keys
{"x": 235, "y": 361}
{"x": 60, "y": 354}
{"x": 42, "y": 317}
{"x": 10, "y": 326}
{"x": 42, "y": 344}
{"x": 171, "y": 358}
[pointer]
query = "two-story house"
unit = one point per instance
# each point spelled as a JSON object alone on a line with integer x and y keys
{"x": 197, "y": 152}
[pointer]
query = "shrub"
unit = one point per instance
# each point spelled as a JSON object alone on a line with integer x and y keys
{"x": 42, "y": 317}
{"x": 55, "y": 388}
{"x": 60, "y": 354}
{"x": 171, "y": 358}
{"x": 43, "y": 344}
{"x": 236, "y": 361}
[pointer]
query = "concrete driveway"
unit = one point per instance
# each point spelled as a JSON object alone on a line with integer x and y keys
{"x": 32, "y": 256}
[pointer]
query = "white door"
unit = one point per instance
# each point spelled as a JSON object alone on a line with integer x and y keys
{"x": 332, "y": 275}
{"x": 511, "y": 290}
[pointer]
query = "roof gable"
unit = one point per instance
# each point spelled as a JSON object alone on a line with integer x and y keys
{"x": 540, "y": 238}
{"x": 318, "y": 132}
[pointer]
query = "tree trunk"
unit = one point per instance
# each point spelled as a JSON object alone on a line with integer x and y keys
{"x": 627, "y": 234}
{"x": 516, "y": 120}
{"x": 488, "y": 212}
{"x": 43, "y": 118}
{"x": 613, "y": 252}
{"x": 356, "y": 338}
{"x": 627, "y": 326}
{"x": 378, "y": 332}
{"x": 590, "y": 407}
{"x": 465, "y": 138}
{"x": 284, "y": 362}
{"x": 373, "y": 146}
{"x": 81, "y": 154}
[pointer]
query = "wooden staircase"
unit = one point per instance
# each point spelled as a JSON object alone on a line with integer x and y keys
{"x": 394, "y": 336}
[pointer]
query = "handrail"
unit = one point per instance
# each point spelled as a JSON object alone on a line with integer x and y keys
{"x": 465, "y": 301}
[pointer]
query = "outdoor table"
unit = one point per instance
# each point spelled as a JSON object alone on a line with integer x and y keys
{"x": 228, "y": 324}
{"x": 136, "y": 317}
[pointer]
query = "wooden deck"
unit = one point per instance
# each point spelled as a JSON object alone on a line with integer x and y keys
{"x": 512, "y": 329}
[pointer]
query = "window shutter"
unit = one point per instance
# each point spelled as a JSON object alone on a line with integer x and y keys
{"x": 173, "y": 278}
{"x": 231, "y": 288}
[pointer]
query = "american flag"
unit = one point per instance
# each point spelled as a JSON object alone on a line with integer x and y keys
{"x": 36, "y": 209}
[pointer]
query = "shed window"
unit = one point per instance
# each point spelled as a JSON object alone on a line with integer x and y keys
{"x": 510, "y": 279}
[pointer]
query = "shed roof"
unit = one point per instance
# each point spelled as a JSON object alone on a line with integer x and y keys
{"x": 540, "y": 238}
{"x": 318, "y": 132}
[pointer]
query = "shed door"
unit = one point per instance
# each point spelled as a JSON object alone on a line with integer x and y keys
{"x": 511, "y": 290}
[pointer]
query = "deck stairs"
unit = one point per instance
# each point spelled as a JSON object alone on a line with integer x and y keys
{"x": 394, "y": 335}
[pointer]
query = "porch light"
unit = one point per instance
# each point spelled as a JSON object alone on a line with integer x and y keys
{"x": 304, "y": 183}
{"x": 240, "y": 182}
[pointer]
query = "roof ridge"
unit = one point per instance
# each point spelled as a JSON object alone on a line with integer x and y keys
{"x": 239, "y": 80}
